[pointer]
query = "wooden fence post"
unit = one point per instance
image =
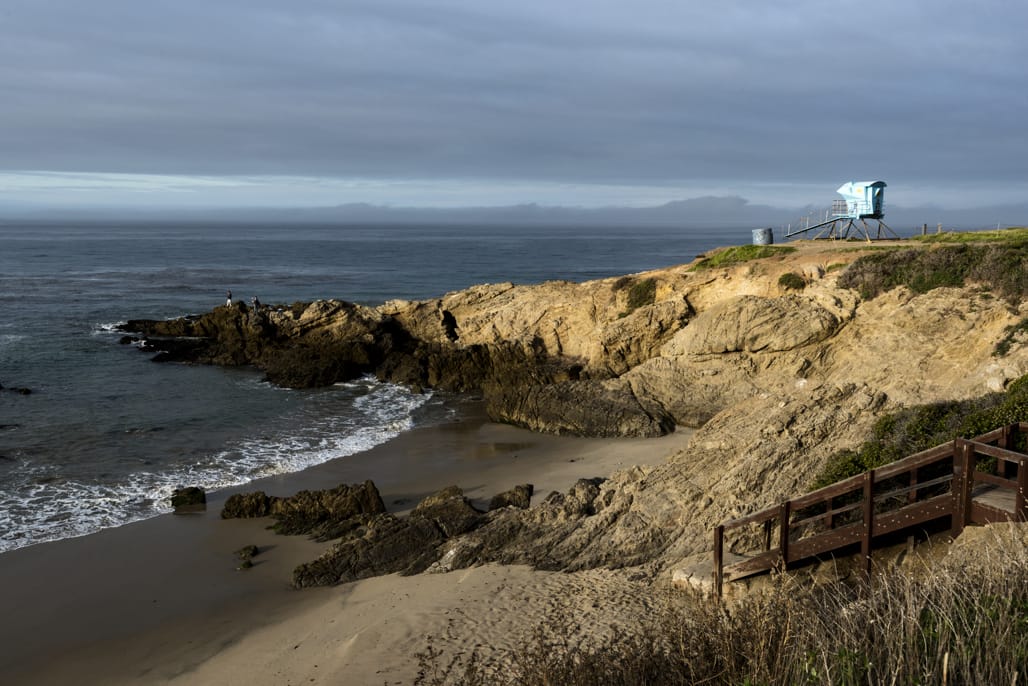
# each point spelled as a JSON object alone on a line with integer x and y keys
{"x": 963, "y": 482}
{"x": 869, "y": 513}
{"x": 719, "y": 560}
{"x": 1020, "y": 511}
{"x": 783, "y": 535}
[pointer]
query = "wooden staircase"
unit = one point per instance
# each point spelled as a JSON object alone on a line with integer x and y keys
{"x": 963, "y": 482}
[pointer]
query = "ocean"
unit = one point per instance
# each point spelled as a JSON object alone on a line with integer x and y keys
{"x": 106, "y": 435}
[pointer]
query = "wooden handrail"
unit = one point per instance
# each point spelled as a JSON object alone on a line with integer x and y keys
{"x": 896, "y": 513}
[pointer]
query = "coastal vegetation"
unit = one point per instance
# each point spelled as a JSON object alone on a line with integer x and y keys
{"x": 1010, "y": 335}
{"x": 918, "y": 428}
{"x": 958, "y": 621}
{"x": 741, "y": 253}
{"x": 792, "y": 281}
{"x": 641, "y": 292}
{"x": 1013, "y": 234}
{"x": 993, "y": 259}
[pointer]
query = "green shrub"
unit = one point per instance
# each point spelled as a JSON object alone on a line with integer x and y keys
{"x": 741, "y": 253}
{"x": 1009, "y": 334}
{"x": 640, "y": 293}
{"x": 792, "y": 281}
{"x": 914, "y": 429}
{"x": 1000, "y": 267}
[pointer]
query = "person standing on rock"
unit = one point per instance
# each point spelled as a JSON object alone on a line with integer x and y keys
{"x": 228, "y": 299}
{"x": 256, "y": 304}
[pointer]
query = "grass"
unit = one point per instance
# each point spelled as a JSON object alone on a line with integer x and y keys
{"x": 914, "y": 429}
{"x": 960, "y": 622}
{"x": 999, "y": 267}
{"x": 1018, "y": 234}
{"x": 640, "y": 293}
{"x": 741, "y": 253}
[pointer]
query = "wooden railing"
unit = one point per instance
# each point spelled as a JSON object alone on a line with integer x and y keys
{"x": 968, "y": 481}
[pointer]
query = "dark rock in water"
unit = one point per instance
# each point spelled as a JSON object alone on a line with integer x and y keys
{"x": 246, "y": 505}
{"x": 189, "y": 499}
{"x": 314, "y": 365}
{"x": 520, "y": 497}
{"x": 245, "y": 564}
{"x": 172, "y": 349}
{"x": 20, "y": 391}
{"x": 128, "y": 340}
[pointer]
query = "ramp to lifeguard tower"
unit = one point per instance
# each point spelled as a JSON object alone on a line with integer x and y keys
{"x": 861, "y": 201}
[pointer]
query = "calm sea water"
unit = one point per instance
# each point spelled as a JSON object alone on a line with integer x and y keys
{"x": 106, "y": 435}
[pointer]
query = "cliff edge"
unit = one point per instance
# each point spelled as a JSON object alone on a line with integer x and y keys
{"x": 778, "y": 363}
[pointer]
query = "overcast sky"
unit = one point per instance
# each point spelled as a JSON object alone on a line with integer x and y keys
{"x": 477, "y": 102}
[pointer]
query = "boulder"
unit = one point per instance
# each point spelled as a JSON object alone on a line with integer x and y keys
{"x": 606, "y": 409}
{"x": 189, "y": 499}
{"x": 327, "y": 514}
{"x": 448, "y": 510}
{"x": 519, "y": 497}
{"x": 247, "y": 552}
{"x": 247, "y": 505}
{"x": 385, "y": 545}
{"x": 323, "y": 515}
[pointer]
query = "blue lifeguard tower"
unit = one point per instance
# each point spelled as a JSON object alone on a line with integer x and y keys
{"x": 861, "y": 200}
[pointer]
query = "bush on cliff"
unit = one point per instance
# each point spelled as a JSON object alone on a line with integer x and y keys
{"x": 640, "y": 293}
{"x": 999, "y": 267}
{"x": 918, "y": 428}
{"x": 792, "y": 281}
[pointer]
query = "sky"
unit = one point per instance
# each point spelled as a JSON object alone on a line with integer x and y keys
{"x": 449, "y": 103}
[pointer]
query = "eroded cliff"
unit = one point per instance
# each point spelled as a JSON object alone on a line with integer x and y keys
{"x": 777, "y": 379}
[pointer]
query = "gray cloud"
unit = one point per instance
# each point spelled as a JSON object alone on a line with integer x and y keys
{"x": 584, "y": 92}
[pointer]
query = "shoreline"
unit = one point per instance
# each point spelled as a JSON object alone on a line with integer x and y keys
{"x": 151, "y": 600}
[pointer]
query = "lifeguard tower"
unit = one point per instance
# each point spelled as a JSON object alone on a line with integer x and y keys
{"x": 861, "y": 200}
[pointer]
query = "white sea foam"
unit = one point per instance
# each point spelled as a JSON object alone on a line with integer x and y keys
{"x": 43, "y": 507}
{"x": 110, "y": 327}
{"x": 9, "y": 339}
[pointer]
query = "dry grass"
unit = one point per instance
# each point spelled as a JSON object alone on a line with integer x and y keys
{"x": 959, "y": 621}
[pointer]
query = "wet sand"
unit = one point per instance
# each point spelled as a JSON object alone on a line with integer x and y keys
{"x": 161, "y": 601}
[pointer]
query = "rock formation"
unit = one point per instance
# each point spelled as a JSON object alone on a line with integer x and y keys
{"x": 776, "y": 379}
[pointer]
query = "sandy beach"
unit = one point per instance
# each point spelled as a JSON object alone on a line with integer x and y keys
{"x": 161, "y": 601}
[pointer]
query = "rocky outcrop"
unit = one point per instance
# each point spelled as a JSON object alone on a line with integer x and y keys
{"x": 323, "y": 515}
{"x": 387, "y": 544}
{"x": 584, "y": 408}
{"x": 632, "y": 356}
{"x": 189, "y": 499}
{"x": 520, "y": 497}
{"x": 755, "y": 324}
{"x": 777, "y": 380}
